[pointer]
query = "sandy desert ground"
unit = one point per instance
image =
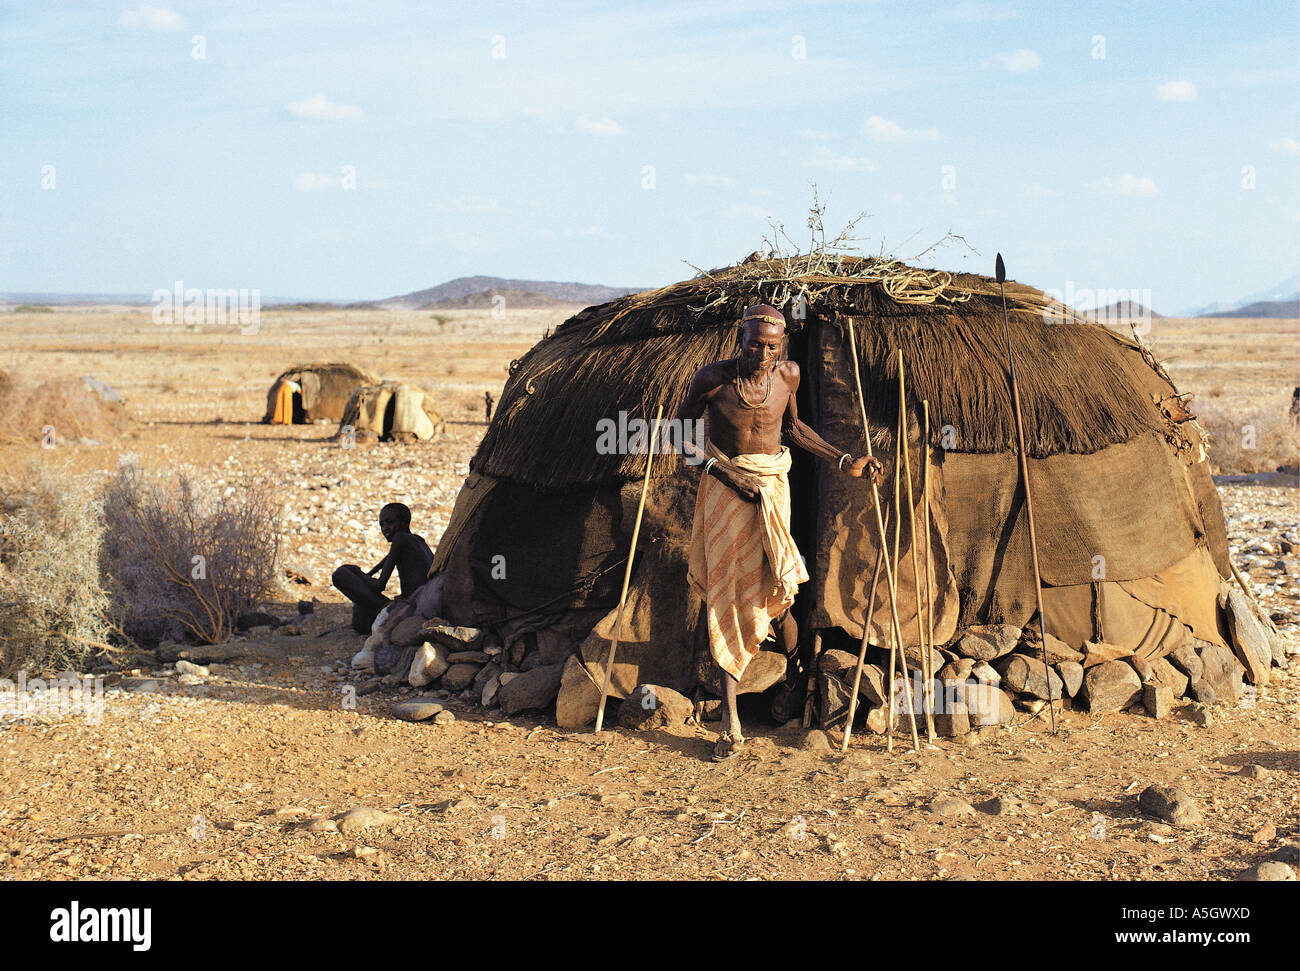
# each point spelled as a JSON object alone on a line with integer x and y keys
{"x": 222, "y": 778}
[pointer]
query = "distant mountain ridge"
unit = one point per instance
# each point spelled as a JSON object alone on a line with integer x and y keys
{"x": 1275, "y": 309}
{"x": 1286, "y": 292}
{"x": 450, "y": 293}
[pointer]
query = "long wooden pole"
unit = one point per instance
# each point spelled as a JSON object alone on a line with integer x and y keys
{"x": 866, "y": 633}
{"x": 925, "y": 502}
{"x": 889, "y": 573}
{"x": 627, "y": 574}
{"x": 1024, "y": 475}
{"x": 927, "y": 689}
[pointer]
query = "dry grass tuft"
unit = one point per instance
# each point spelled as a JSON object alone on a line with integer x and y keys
{"x": 53, "y": 614}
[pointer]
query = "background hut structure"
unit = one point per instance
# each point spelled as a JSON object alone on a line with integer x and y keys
{"x": 391, "y": 411}
{"x": 1131, "y": 533}
{"x": 313, "y": 392}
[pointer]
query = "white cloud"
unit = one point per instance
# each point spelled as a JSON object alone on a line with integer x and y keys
{"x": 1133, "y": 186}
{"x": 745, "y": 210}
{"x": 1287, "y": 146}
{"x": 1017, "y": 62}
{"x": 1177, "y": 91}
{"x": 148, "y": 17}
{"x": 320, "y": 108}
{"x": 712, "y": 181}
{"x": 1036, "y": 190}
{"x": 884, "y": 130}
{"x": 824, "y": 158}
{"x": 313, "y": 182}
{"x": 594, "y": 125}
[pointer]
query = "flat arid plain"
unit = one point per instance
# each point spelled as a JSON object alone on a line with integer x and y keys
{"x": 239, "y": 776}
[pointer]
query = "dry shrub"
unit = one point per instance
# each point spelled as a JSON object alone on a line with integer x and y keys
{"x": 1249, "y": 438}
{"x": 181, "y": 560}
{"x": 54, "y": 615}
{"x": 66, "y": 405}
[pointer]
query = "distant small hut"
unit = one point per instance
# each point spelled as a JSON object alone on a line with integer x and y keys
{"x": 313, "y": 392}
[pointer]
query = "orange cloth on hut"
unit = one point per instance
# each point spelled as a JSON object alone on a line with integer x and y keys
{"x": 283, "y": 404}
{"x": 743, "y": 560}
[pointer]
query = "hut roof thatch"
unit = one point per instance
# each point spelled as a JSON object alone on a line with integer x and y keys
{"x": 1079, "y": 386}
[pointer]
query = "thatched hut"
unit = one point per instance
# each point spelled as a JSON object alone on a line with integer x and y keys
{"x": 1131, "y": 532}
{"x": 313, "y": 392}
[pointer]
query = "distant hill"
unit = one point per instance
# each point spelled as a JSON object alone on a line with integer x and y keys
{"x": 485, "y": 299}
{"x": 475, "y": 286}
{"x": 1284, "y": 309}
{"x": 1288, "y": 291}
{"x": 1123, "y": 310}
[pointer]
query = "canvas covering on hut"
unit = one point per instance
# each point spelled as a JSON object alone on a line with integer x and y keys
{"x": 313, "y": 392}
{"x": 1130, "y": 530}
{"x": 391, "y": 411}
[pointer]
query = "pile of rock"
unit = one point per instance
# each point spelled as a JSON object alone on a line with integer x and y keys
{"x": 444, "y": 660}
{"x": 987, "y": 672}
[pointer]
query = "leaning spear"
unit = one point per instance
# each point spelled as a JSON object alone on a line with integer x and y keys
{"x": 1024, "y": 475}
{"x": 627, "y": 576}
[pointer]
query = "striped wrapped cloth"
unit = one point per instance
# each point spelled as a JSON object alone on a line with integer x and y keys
{"x": 743, "y": 561}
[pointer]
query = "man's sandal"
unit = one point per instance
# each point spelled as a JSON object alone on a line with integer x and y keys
{"x": 727, "y": 747}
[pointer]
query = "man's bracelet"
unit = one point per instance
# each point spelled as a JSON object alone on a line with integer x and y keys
{"x": 708, "y": 465}
{"x": 846, "y": 455}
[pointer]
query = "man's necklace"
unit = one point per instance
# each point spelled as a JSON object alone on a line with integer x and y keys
{"x": 740, "y": 392}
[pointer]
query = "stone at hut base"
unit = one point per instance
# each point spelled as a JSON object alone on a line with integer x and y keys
{"x": 1097, "y": 652}
{"x": 407, "y": 632}
{"x": 953, "y": 722}
{"x": 764, "y": 669}
{"x": 1057, "y": 649}
{"x": 468, "y": 657}
{"x": 1270, "y": 870}
{"x": 984, "y": 643}
{"x": 1185, "y": 659}
{"x": 958, "y": 670}
{"x": 1071, "y": 673}
{"x": 1162, "y": 672}
{"x": 453, "y": 637}
{"x": 429, "y": 664}
{"x": 654, "y": 706}
{"x": 875, "y": 721}
{"x": 1158, "y": 700}
{"x": 1222, "y": 676}
{"x": 444, "y": 718}
{"x": 460, "y": 676}
{"x": 1250, "y": 640}
{"x": 1110, "y": 686}
{"x": 1025, "y": 675}
{"x": 578, "y": 698}
{"x": 532, "y": 689}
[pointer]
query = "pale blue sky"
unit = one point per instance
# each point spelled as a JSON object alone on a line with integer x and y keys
{"x": 512, "y": 139}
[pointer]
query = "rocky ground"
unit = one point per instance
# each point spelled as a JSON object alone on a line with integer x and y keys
{"x": 254, "y": 764}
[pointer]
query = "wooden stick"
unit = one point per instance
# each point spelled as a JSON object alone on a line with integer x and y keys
{"x": 925, "y": 502}
{"x": 812, "y": 680}
{"x": 866, "y": 632}
{"x": 880, "y": 532}
{"x": 627, "y": 574}
{"x": 900, "y": 439}
{"x": 927, "y": 688}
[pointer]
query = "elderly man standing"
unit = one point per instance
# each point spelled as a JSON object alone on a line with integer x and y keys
{"x": 743, "y": 561}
